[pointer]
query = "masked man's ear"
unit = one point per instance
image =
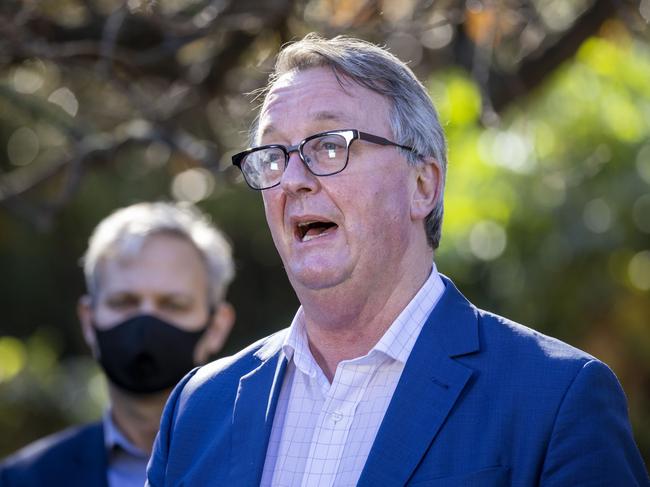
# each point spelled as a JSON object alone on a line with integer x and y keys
{"x": 216, "y": 334}
{"x": 85, "y": 314}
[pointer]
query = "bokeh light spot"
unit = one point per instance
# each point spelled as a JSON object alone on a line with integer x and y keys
{"x": 193, "y": 185}
{"x": 391, "y": 10}
{"x": 639, "y": 270}
{"x": 438, "y": 36}
{"x": 157, "y": 154}
{"x": 28, "y": 78}
{"x": 23, "y": 146}
{"x": 644, "y": 9}
{"x": 12, "y": 352}
{"x": 512, "y": 151}
{"x": 487, "y": 240}
{"x": 597, "y": 216}
{"x": 66, "y": 99}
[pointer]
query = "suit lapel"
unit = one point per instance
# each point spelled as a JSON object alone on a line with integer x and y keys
{"x": 251, "y": 422}
{"x": 426, "y": 393}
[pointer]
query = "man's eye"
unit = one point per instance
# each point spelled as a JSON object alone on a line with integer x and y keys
{"x": 273, "y": 161}
{"x": 330, "y": 144}
{"x": 175, "y": 305}
{"x": 122, "y": 302}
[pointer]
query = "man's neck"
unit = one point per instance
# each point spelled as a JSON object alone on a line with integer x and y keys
{"x": 138, "y": 418}
{"x": 342, "y": 325}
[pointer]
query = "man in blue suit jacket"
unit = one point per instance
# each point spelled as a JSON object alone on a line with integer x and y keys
{"x": 75, "y": 457}
{"x": 157, "y": 275}
{"x": 387, "y": 375}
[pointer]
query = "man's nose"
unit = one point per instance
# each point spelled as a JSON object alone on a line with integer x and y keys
{"x": 148, "y": 307}
{"x": 296, "y": 177}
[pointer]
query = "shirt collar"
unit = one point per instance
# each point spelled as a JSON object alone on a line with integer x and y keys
{"x": 296, "y": 346}
{"x": 114, "y": 438}
{"x": 396, "y": 343}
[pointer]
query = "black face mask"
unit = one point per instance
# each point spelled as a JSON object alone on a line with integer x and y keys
{"x": 145, "y": 354}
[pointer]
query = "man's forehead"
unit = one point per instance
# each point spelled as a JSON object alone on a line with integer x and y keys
{"x": 305, "y": 82}
{"x": 267, "y": 128}
{"x": 140, "y": 258}
{"x": 316, "y": 93}
{"x": 117, "y": 271}
{"x": 121, "y": 275}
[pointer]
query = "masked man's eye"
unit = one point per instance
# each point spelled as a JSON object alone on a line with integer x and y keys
{"x": 122, "y": 302}
{"x": 176, "y": 304}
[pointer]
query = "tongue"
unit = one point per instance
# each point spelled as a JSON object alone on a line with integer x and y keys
{"x": 317, "y": 229}
{"x": 313, "y": 231}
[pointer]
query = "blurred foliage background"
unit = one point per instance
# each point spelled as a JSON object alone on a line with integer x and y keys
{"x": 103, "y": 103}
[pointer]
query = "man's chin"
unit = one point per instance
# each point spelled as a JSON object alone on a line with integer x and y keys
{"x": 316, "y": 278}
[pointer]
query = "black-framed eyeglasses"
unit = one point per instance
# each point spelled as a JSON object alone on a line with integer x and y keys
{"x": 323, "y": 154}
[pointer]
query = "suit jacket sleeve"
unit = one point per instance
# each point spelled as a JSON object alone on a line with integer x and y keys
{"x": 592, "y": 442}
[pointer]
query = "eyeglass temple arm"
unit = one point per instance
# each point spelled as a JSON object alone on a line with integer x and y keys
{"x": 375, "y": 139}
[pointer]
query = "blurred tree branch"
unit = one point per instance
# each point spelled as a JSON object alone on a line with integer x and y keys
{"x": 172, "y": 63}
{"x": 534, "y": 68}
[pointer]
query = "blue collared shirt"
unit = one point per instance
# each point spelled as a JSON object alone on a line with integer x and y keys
{"x": 127, "y": 464}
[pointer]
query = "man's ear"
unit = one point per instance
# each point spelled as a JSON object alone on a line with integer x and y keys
{"x": 85, "y": 314}
{"x": 428, "y": 188}
{"x": 215, "y": 336}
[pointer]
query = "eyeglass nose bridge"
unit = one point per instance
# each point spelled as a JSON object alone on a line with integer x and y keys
{"x": 288, "y": 150}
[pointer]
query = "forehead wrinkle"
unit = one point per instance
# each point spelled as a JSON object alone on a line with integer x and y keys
{"x": 320, "y": 116}
{"x": 291, "y": 92}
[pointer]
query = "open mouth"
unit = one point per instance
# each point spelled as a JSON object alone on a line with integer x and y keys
{"x": 306, "y": 231}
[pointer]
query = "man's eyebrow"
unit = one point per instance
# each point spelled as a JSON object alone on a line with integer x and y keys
{"x": 268, "y": 130}
{"x": 120, "y": 292}
{"x": 329, "y": 115}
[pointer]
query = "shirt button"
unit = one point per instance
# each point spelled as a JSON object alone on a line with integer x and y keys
{"x": 336, "y": 416}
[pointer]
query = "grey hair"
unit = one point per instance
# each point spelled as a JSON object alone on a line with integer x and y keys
{"x": 124, "y": 232}
{"x": 413, "y": 118}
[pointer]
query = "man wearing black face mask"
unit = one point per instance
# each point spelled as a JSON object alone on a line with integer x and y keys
{"x": 157, "y": 276}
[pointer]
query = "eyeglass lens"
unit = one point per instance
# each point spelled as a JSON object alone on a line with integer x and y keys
{"x": 323, "y": 155}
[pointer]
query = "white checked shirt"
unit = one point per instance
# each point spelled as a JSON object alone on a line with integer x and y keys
{"x": 322, "y": 433}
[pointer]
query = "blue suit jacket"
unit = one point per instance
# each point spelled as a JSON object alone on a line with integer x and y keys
{"x": 482, "y": 402}
{"x": 75, "y": 457}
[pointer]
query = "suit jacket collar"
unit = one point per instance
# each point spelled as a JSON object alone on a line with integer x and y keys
{"x": 254, "y": 410}
{"x": 429, "y": 387}
{"x": 455, "y": 322}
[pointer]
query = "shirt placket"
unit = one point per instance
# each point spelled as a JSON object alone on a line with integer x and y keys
{"x": 334, "y": 423}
